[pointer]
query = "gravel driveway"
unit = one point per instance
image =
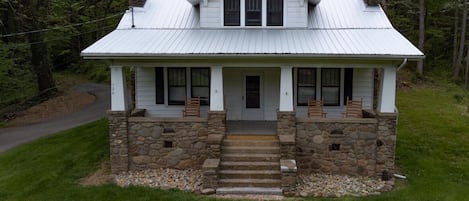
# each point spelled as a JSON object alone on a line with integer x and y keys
{"x": 14, "y": 136}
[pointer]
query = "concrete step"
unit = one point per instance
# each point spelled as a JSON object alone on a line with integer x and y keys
{"x": 249, "y": 174}
{"x": 251, "y": 157}
{"x": 251, "y": 143}
{"x": 249, "y": 191}
{"x": 264, "y": 183}
{"x": 236, "y": 165}
{"x": 251, "y": 137}
{"x": 250, "y": 150}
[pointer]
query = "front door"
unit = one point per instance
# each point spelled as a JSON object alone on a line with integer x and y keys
{"x": 252, "y": 98}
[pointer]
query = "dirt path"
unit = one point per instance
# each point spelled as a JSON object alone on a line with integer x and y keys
{"x": 14, "y": 136}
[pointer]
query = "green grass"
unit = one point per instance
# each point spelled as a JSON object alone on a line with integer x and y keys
{"x": 432, "y": 150}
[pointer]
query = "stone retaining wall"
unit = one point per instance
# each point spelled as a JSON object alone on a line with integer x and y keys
{"x": 337, "y": 146}
{"x": 167, "y": 143}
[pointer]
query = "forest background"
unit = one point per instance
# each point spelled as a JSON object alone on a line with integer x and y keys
{"x": 41, "y": 37}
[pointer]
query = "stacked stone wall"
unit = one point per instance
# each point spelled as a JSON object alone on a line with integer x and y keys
{"x": 118, "y": 141}
{"x": 167, "y": 143}
{"x": 386, "y": 145}
{"x": 337, "y": 146}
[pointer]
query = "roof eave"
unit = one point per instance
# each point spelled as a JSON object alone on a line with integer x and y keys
{"x": 109, "y": 56}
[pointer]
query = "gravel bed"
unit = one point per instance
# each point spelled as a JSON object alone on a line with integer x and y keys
{"x": 186, "y": 180}
{"x": 316, "y": 185}
{"x": 322, "y": 185}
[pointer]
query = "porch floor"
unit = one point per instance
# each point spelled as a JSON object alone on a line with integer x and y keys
{"x": 251, "y": 127}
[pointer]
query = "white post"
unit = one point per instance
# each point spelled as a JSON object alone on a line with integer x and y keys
{"x": 216, "y": 89}
{"x": 387, "y": 93}
{"x": 286, "y": 89}
{"x": 118, "y": 89}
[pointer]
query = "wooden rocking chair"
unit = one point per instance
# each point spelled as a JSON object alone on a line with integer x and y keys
{"x": 315, "y": 109}
{"x": 192, "y": 107}
{"x": 353, "y": 109}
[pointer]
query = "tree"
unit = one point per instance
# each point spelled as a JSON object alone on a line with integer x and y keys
{"x": 462, "y": 39}
{"x": 422, "y": 16}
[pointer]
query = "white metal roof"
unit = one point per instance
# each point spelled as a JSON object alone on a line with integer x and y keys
{"x": 345, "y": 28}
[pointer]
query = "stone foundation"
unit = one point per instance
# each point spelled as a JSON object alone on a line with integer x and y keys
{"x": 118, "y": 126}
{"x": 286, "y": 130}
{"x": 216, "y": 132}
{"x": 364, "y": 147}
{"x": 167, "y": 143}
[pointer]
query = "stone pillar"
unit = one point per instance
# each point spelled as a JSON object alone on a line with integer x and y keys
{"x": 386, "y": 145}
{"x": 286, "y": 130}
{"x": 210, "y": 175}
{"x": 216, "y": 132}
{"x": 289, "y": 175}
{"x": 119, "y": 143}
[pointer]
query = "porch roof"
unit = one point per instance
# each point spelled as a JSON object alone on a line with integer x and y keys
{"x": 336, "y": 28}
{"x": 369, "y": 43}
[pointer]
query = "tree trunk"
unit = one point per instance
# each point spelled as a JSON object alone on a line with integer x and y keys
{"x": 41, "y": 64}
{"x": 466, "y": 72}
{"x": 421, "y": 44}
{"x": 462, "y": 39}
{"x": 455, "y": 39}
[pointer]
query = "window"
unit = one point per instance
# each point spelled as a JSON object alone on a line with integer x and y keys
{"x": 253, "y": 12}
{"x": 348, "y": 84}
{"x": 232, "y": 12}
{"x": 159, "y": 85}
{"x": 306, "y": 85}
{"x": 176, "y": 86}
{"x": 200, "y": 78}
{"x": 274, "y": 12}
{"x": 330, "y": 86}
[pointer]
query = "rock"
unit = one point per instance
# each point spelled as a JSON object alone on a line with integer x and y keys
{"x": 303, "y": 194}
{"x": 208, "y": 191}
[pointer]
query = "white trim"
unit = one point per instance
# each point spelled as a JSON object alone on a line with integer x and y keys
{"x": 387, "y": 93}
{"x": 216, "y": 89}
{"x": 264, "y": 13}
{"x": 119, "y": 97}
{"x": 242, "y": 14}
{"x": 286, "y": 89}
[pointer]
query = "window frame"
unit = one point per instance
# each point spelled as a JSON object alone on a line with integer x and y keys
{"x": 204, "y": 100}
{"x": 281, "y": 13}
{"x": 234, "y": 24}
{"x": 338, "y": 86}
{"x": 169, "y": 85}
{"x": 264, "y": 16}
{"x": 313, "y": 85}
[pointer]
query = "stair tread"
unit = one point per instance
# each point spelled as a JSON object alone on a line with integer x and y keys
{"x": 250, "y": 181}
{"x": 252, "y": 137}
{"x": 250, "y": 155}
{"x": 249, "y": 172}
{"x": 249, "y": 190}
{"x": 250, "y": 147}
{"x": 249, "y": 163}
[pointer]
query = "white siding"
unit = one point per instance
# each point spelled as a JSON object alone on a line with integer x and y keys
{"x": 145, "y": 97}
{"x": 363, "y": 84}
{"x": 233, "y": 84}
{"x": 297, "y": 13}
{"x": 210, "y": 15}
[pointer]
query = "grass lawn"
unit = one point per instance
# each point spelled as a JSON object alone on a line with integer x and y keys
{"x": 433, "y": 151}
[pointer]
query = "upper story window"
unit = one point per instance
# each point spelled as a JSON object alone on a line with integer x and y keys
{"x": 274, "y": 12}
{"x": 253, "y": 12}
{"x": 232, "y": 12}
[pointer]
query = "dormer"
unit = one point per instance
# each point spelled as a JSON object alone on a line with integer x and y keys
{"x": 253, "y": 13}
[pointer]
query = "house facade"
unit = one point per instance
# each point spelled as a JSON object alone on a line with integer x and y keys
{"x": 254, "y": 63}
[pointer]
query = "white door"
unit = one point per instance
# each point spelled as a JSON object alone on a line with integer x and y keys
{"x": 252, "y": 97}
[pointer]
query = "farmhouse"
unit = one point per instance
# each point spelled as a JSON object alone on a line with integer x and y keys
{"x": 254, "y": 91}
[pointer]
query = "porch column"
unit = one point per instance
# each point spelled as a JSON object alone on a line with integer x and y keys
{"x": 286, "y": 89}
{"x": 216, "y": 89}
{"x": 118, "y": 89}
{"x": 387, "y": 94}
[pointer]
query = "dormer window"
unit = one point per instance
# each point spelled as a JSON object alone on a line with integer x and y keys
{"x": 253, "y": 12}
{"x": 232, "y": 12}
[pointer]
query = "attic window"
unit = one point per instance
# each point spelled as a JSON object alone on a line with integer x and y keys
{"x": 232, "y": 12}
{"x": 275, "y": 13}
{"x": 253, "y": 12}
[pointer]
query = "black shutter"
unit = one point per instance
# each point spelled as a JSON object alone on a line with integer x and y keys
{"x": 348, "y": 84}
{"x": 159, "y": 85}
